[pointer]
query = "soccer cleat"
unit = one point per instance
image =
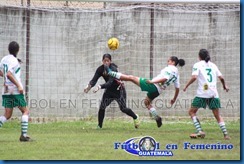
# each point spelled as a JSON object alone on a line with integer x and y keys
{"x": 159, "y": 121}
{"x": 137, "y": 122}
{"x": 24, "y": 139}
{"x": 197, "y": 135}
{"x": 98, "y": 127}
{"x": 226, "y": 137}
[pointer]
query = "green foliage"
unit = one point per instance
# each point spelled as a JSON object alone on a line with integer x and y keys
{"x": 80, "y": 140}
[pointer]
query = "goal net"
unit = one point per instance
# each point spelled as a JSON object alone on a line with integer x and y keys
{"x": 62, "y": 43}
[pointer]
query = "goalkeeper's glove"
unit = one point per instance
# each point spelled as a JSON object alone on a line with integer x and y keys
{"x": 97, "y": 88}
{"x": 88, "y": 87}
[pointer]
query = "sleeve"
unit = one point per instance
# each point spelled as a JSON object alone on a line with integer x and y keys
{"x": 96, "y": 76}
{"x": 108, "y": 83}
{"x": 111, "y": 79}
{"x": 218, "y": 73}
{"x": 13, "y": 65}
{"x": 177, "y": 82}
{"x": 195, "y": 70}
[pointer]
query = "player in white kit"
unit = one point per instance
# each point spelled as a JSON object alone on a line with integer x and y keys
{"x": 206, "y": 73}
{"x": 156, "y": 86}
{"x": 13, "y": 93}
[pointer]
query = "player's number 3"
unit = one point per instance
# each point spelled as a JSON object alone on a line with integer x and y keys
{"x": 209, "y": 74}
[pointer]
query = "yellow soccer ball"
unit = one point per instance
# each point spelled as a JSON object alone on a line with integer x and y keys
{"x": 113, "y": 43}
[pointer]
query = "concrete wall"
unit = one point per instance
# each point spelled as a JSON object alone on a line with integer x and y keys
{"x": 67, "y": 47}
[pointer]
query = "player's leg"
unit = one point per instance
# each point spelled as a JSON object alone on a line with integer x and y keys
{"x": 106, "y": 100}
{"x": 199, "y": 132}
{"x": 19, "y": 101}
{"x": 24, "y": 123}
{"x": 152, "y": 110}
{"x": 7, "y": 115}
{"x": 196, "y": 104}
{"x": 119, "y": 75}
{"x": 214, "y": 104}
{"x": 133, "y": 79}
{"x": 121, "y": 99}
{"x": 221, "y": 123}
{"x": 7, "y": 103}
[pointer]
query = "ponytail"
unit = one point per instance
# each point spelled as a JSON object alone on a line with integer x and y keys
{"x": 177, "y": 61}
{"x": 207, "y": 58}
{"x": 181, "y": 62}
{"x": 19, "y": 60}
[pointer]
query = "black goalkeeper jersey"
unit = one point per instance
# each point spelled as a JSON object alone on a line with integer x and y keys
{"x": 111, "y": 84}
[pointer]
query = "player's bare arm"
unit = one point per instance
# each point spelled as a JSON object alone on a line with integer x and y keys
{"x": 13, "y": 80}
{"x": 193, "y": 78}
{"x": 226, "y": 88}
{"x": 161, "y": 80}
{"x": 177, "y": 90}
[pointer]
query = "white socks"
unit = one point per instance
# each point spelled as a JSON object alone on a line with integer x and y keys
{"x": 24, "y": 125}
{"x": 223, "y": 128}
{"x": 153, "y": 112}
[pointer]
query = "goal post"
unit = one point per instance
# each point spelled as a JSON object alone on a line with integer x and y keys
{"x": 63, "y": 42}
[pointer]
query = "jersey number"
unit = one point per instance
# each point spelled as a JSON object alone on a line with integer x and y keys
{"x": 5, "y": 68}
{"x": 210, "y": 79}
{"x": 171, "y": 79}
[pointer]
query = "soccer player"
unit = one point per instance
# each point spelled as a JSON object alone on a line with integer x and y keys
{"x": 114, "y": 90}
{"x": 157, "y": 85}
{"x": 206, "y": 73}
{"x": 13, "y": 93}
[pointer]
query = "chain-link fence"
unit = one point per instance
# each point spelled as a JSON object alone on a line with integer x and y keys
{"x": 62, "y": 43}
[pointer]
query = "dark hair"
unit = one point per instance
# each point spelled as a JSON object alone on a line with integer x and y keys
{"x": 107, "y": 56}
{"x": 204, "y": 55}
{"x": 13, "y": 48}
{"x": 177, "y": 61}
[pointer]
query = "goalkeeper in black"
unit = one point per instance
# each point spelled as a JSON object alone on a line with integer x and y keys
{"x": 114, "y": 90}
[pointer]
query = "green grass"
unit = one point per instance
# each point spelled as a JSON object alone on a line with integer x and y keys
{"x": 81, "y": 140}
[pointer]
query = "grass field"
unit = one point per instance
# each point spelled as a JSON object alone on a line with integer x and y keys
{"x": 81, "y": 140}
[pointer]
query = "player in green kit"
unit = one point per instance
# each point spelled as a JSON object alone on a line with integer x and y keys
{"x": 206, "y": 73}
{"x": 13, "y": 93}
{"x": 157, "y": 85}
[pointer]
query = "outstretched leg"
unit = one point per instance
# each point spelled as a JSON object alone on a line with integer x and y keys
{"x": 118, "y": 75}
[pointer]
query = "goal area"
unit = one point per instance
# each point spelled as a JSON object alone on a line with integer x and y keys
{"x": 62, "y": 44}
